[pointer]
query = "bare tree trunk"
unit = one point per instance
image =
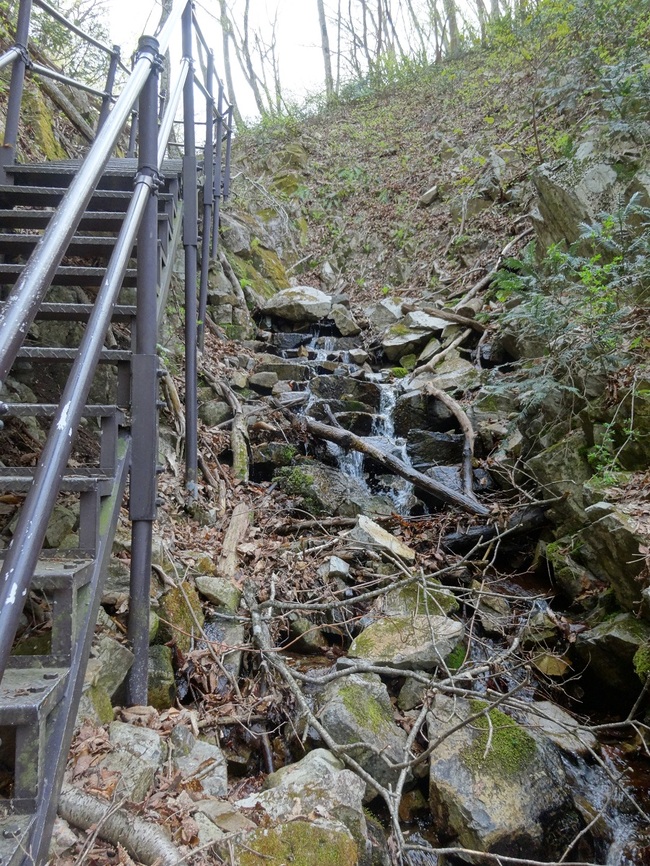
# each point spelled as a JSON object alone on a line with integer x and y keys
{"x": 325, "y": 48}
{"x": 452, "y": 26}
{"x": 226, "y": 36}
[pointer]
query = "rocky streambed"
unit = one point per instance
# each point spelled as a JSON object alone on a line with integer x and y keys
{"x": 369, "y": 669}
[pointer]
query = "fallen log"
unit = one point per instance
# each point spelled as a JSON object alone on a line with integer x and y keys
{"x": 419, "y": 480}
{"x": 527, "y": 520}
{"x": 465, "y": 426}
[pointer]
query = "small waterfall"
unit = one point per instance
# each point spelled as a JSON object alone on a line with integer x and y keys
{"x": 401, "y": 491}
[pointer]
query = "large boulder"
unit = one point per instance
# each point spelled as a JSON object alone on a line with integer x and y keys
{"x": 302, "y": 304}
{"x": 416, "y": 642}
{"x": 496, "y": 787}
{"x": 329, "y": 491}
{"x": 608, "y": 651}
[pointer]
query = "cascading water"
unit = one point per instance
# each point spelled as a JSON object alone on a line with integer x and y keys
{"x": 400, "y": 491}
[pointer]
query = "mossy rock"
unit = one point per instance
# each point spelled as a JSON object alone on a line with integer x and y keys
{"x": 415, "y": 599}
{"x": 269, "y": 266}
{"x": 300, "y": 843}
{"x": 641, "y": 662}
{"x": 286, "y": 183}
{"x": 38, "y": 116}
{"x": 511, "y": 748}
{"x": 176, "y": 621}
{"x": 161, "y": 692}
{"x": 95, "y": 705}
{"x": 248, "y": 275}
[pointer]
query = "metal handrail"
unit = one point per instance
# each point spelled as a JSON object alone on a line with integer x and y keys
{"x": 10, "y": 56}
{"x": 39, "y": 69}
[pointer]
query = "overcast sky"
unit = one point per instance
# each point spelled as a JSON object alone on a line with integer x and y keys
{"x": 298, "y": 36}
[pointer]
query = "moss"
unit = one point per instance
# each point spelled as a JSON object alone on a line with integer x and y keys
{"x": 399, "y": 372}
{"x": 35, "y": 645}
{"x": 295, "y": 481}
{"x": 435, "y": 600}
{"x": 38, "y": 116}
{"x": 101, "y": 703}
{"x": 641, "y": 662}
{"x": 268, "y": 263}
{"x": 248, "y": 275}
{"x": 456, "y": 657}
{"x": 366, "y": 710}
{"x": 301, "y": 843}
{"x": 511, "y": 748}
{"x": 398, "y": 330}
{"x": 176, "y": 620}
{"x": 408, "y": 362}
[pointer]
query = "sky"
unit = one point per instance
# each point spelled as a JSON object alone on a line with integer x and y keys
{"x": 298, "y": 40}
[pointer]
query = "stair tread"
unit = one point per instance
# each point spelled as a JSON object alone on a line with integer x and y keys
{"x": 54, "y": 353}
{"x": 109, "y": 199}
{"x": 115, "y": 166}
{"x": 81, "y": 312}
{"x": 13, "y": 830}
{"x": 23, "y": 218}
{"x": 73, "y": 275}
{"x": 27, "y": 694}
{"x": 47, "y": 410}
{"x": 55, "y": 572}
{"x": 19, "y": 479}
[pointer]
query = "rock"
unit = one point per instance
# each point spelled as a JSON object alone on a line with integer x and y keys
{"x": 428, "y": 197}
{"x": 425, "y": 447}
{"x": 135, "y": 775}
{"x": 238, "y": 379}
{"x": 493, "y": 611}
{"x": 208, "y": 831}
{"x": 419, "y": 321}
{"x": 422, "y": 600}
{"x": 301, "y": 304}
{"x": 432, "y": 348}
{"x": 206, "y": 764}
{"x": 305, "y": 636}
{"x": 370, "y": 533}
{"x": 353, "y": 395}
{"x": 513, "y": 798}
{"x": 608, "y": 651}
{"x": 161, "y": 692}
{"x": 109, "y": 664}
{"x": 344, "y": 321}
{"x": 228, "y": 633}
{"x": 225, "y": 816}
{"x": 384, "y": 313}
{"x": 358, "y": 709}
{"x": 286, "y": 369}
{"x": 413, "y": 642}
{"x": 398, "y": 340}
{"x": 177, "y": 623}
{"x": 330, "y": 491}
{"x": 263, "y": 382}
{"x": 453, "y": 373}
{"x": 145, "y": 744}
{"x": 315, "y": 842}
{"x": 63, "y": 839}
{"x": 359, "y": 356}
{"x": 551, "y": 721}
{"x": 415, "y": 409}
{"x": 60, "y": 525}
{"x": 220, "y": 591}
{"x": 334, "y": 568}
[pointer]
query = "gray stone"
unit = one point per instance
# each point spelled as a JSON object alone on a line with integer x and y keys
{"x": 142, "y": 742}
{"x": 428, "y": 197}
{"x": 301, "y": 304}
{"x": 504, "y": 792}
{"x": 286, "y": 370}
{"x": 305, "y": 636}
{"x": 549, "y": 720}
{"x": 220, "y": 591}
{"x": 417, "y": 409}
{"x": 109, "y": 664}
{"x": 208, "y": 833}
{"x": 63, "y": 839}
{"x": 420, "y": 321}
{"x": 162, "y": 683}
{"x": 608, "y": 650}
{"x": 225, "y": 816}
{"x": 135, "y": 774}
{"x": 344, "y": 321}
{"x": 384, "y": 313}
{"x": 427, "y": 596}
{"x": 206, "y": 764}
{"x": 359, "y": 356}
{"x": 358, "y": 709}
{"x": 59, "y": 526}
{"x": 333, "y": 568}
{"x": 453, "y": 373}
{"x": 425, "y": 447}
{"x": 238, "y": 379}
{"x": 347, "y": 391}
{"x": 413, "y": 642}
{"x": 399, "y": 340}
{"x": 329, "y": 491}
{"x": 263, "y": 382}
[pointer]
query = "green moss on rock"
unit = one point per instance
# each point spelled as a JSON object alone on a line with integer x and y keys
{"x": 367, "y": 711}
{"x": 641, "y": 662}
{"x": 300, "y": 843}
{"x": 176, "y": 620}
{"x": 248, "y": 275}
{"x": 268, "y": 263}
{"x": 38, "y": 115}
{"x": 511, "y": 748}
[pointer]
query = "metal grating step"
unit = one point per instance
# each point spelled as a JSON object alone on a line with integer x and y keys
{"x": 102, "y": 199}
{"x": 14, "y": 245}
{"x": 37, "y": 353}
{"x": 81, "y": 312}
{"x": 67, "y": 275}
{"x": 18, "y": 479}
{"x": 14, "y": 830}
{"x": 28, "y": 694}
{"x": 118, "y": 174}
{"x": 38, "y": 218}
{"x": 48, "y": 410}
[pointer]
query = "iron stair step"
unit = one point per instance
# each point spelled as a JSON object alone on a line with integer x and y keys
{"x": 39, "y": 353}
{"x": 18, "y": 479}
{"x": 80, "y": 245}
{"x": 34, "y": 219}
{"x": 48, "y": 410}
{"x": 55, "y": 572}
{"x": 28, "y": 694}
{"x": 118, "y": 174}
{"x": 41, "y": 196}
{"x": 69, "y": 275}
{"x": 14, "y": 832}
{"x": 81, "y": 312}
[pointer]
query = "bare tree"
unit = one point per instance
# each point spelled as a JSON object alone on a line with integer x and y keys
{"x": 325, "y": 47}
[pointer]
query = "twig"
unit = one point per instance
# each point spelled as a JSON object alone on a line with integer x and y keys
{"x": 468, "y": 431}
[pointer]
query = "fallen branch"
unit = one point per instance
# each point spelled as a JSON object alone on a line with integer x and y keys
{"x": 423, "y": 482}
{"x": 524, "y": 521}
{"x": 485, "y": 281}
{"x": 237, "y": 529}
{"x": 433, "y": 362}
{"x": 144, "y": 841}
{"x": 468, "y": 431}
{"x": 448, "y": 316}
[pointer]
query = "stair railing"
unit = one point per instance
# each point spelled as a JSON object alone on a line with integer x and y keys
{"x": 29, "y": 291}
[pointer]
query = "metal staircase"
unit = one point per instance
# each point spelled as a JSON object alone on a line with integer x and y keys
{"x": 86, "y": 258}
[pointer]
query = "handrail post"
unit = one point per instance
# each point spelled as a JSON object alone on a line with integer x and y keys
{"x": 216, "y": 214}
{"x": 208, "y": 199}
{"x": 110, "y": 84}
{"x": 8, "y": 151}
{"x": 190, "y": 243}
{"x": 144, "y": 392}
